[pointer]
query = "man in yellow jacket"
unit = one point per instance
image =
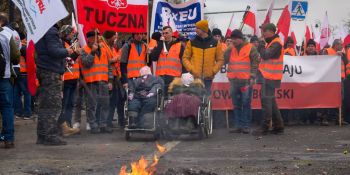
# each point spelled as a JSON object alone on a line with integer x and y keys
{"x": 203, "y": 56}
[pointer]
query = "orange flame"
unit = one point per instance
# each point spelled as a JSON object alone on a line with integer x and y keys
{"x": 161, "y": 148}
{"x": 141, "y": 167}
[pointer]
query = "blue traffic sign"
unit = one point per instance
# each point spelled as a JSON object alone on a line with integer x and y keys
{"x": 299, "y": 10}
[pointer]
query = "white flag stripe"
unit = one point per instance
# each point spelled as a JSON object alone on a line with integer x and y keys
{"x": 137, "y": 2}
{"x": 314, "y": 69}
{"x": 305, "y": 69}
{"x": 39, "y": 17}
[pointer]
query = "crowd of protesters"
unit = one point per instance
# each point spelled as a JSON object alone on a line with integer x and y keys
{"x": 94, "y": 77}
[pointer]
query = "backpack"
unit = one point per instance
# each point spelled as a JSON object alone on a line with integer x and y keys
{"x": 2, "y": 62}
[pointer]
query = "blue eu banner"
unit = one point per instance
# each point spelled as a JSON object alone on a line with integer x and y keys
{"x": 180, "y": 17}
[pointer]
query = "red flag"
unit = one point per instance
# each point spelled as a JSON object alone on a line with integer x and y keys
{"x": 347, "y": 40}
{"x": 307, "y": 34}
{"x": 292, "y": 34}
{"x": 283, "y": 24}
{"x": 230, "y": 27}
{"x": 31, "y": 68}
{"x": 269, "y": 13}
{"x": 250, "y": 19}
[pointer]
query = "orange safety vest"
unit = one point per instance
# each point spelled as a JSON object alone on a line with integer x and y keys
{"x": 170, "y": 64}
{"x": 113, "y": 53}
{"x": 152, "y": 44}
{"x": 272, "y": 69}
{"x": 136, "y": 61}
{"x": 290, "y": 52}
{"x": 75, "y": 74}
{"x": 239, "y": 65}
{"x": 99, "y": 70}
{"x": 22, "y": 65}
{"x": 348, "y": 65}
{"x": 331, "y": 51}
{"x": 22, "y": 60}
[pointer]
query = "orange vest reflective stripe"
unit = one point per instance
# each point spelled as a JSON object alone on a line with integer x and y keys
{"x": 239, "y": 65}
{"x": 74, "y": 74}
{"x": 22, "y": 65}
{"x": 272, "y": 69}
{"x": 289, "y": 51}
{"x": 99, "y": 70}
{"x": 170, "y": 64}
{"x": 348, "y": 65}
{"x": 331, "y": 51}
{"x": 136, "y": 61}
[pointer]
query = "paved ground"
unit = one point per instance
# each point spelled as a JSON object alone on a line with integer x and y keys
{"x": 301, "y": 150}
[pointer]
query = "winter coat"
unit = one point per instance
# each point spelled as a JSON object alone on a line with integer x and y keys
{"x": 50, "y": 52}
{"x": 203, "y": 58}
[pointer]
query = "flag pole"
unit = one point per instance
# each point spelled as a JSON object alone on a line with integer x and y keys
{"x": 148, "y": 30}
{"x": 245, "y": 14}
{"x": 229, "y": 25}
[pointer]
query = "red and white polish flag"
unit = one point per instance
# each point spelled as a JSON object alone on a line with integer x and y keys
{"x": 304, "y": 85}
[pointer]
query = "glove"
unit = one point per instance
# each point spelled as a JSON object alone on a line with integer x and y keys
{"x": 150, "y": 95}
{"x": 131, "y": 96}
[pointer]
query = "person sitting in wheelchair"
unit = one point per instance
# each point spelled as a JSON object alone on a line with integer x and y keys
{"x": 143, "y": 98}
{"x": 182, "y": 109}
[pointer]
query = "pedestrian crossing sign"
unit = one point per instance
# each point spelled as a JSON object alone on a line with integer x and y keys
{"x": 299, "y": 10}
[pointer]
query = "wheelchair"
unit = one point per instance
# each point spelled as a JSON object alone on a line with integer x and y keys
{"x": 203, "y": 121}
{"x": 155, "y": 129}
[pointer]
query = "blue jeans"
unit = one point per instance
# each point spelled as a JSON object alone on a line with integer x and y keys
{"x": 69, "y": 90}
{"x": 21, "y": 88}
{"x": 241, "y": 93}
{"x": 207, "y": 84}
{"x": 6, "y": 108}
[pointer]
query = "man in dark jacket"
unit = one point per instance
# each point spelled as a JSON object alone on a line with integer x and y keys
{"x": 143, "y": 98}
{"x": 50, "y": 66}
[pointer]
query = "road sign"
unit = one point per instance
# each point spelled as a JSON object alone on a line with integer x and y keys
{"x": 299, "y": 10}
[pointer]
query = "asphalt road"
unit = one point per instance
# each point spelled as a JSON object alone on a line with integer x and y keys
{"x": 301, "y": 150}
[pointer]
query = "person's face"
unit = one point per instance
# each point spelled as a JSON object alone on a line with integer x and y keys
{"x": 167, "y": 34}
{"x": 290, "y": 45}
{"x": 138, "y": 36}
{"x": 90, "y": 41}
{"x": 199, "y": 32}
{"x": 217, "y": 37}
{"x": 71, "y": 35}
{"x": 237, "y": 41}
{"x": 310, "y": 48}
{"x": 255, "y": 43}
{"x": 267, "y": 34}
{"x": 228, "y": 41}
{"x": 339, "y": 46}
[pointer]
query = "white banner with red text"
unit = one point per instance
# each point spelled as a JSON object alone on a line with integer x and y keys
{"x": 308, "y": 82}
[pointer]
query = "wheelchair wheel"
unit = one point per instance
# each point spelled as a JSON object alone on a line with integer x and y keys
{"x": 208, "y": 120}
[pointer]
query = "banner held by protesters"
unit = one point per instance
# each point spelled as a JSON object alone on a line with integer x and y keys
{"x": 184, "y": 16}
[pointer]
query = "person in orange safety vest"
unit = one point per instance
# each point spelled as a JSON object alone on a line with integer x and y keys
{"x": 169, "y": 59}
{"x": 97, "y": 74}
